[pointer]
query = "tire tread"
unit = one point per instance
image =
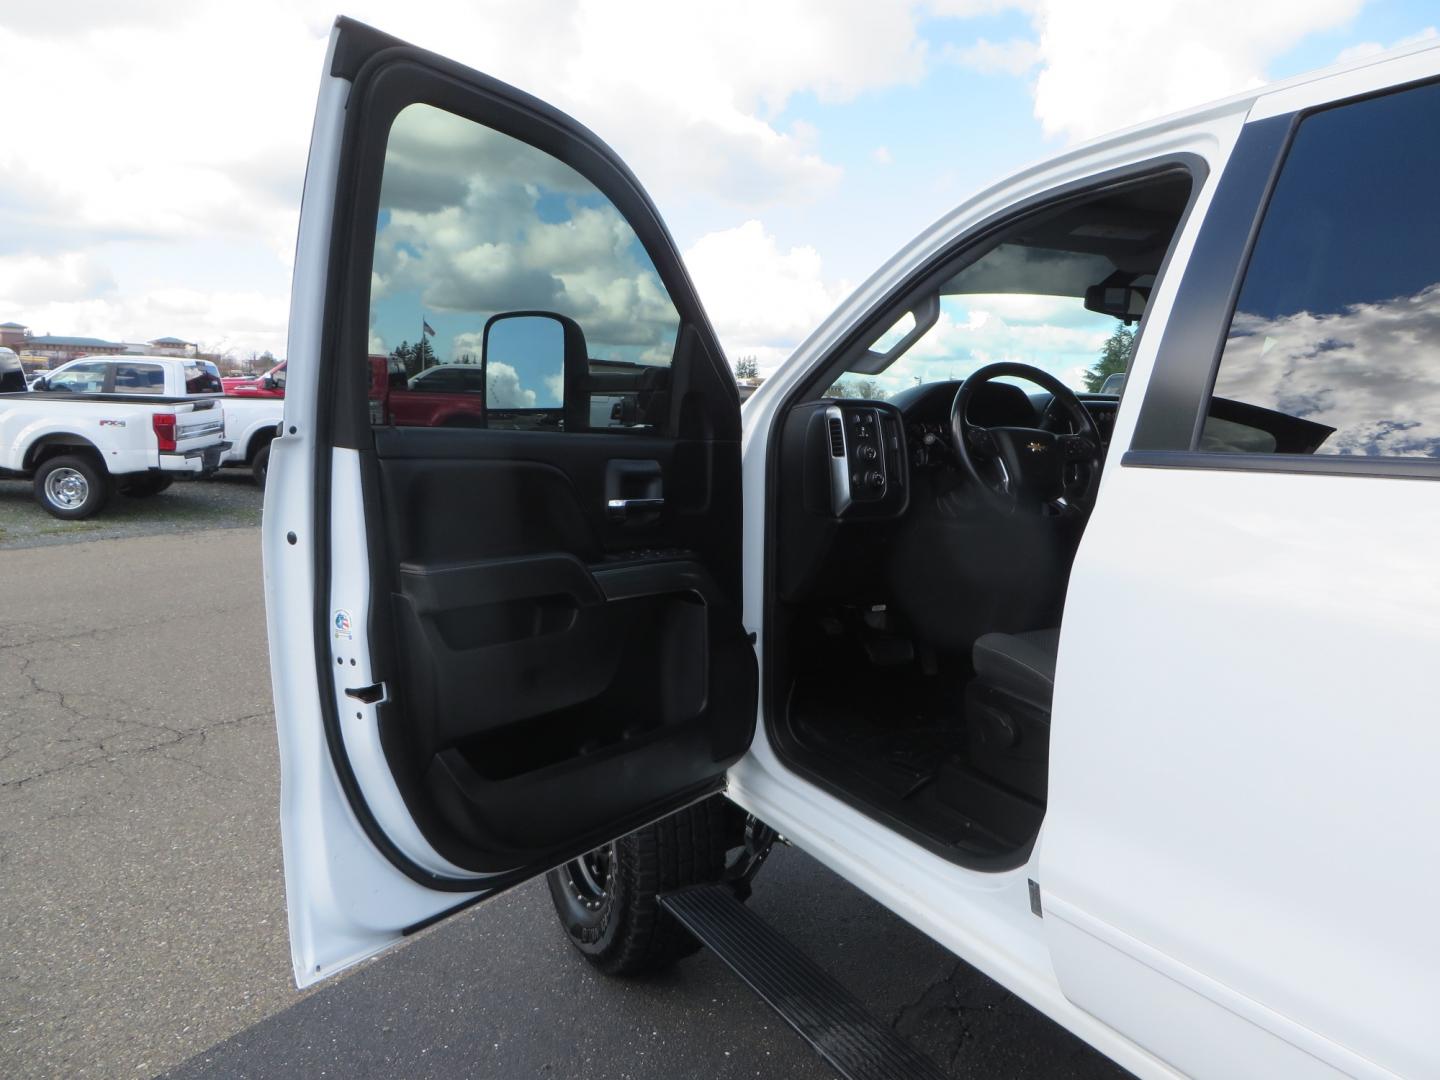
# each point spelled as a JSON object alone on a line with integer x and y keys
{"x": 686, "y": 848}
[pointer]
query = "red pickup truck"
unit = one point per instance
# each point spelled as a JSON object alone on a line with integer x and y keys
{"x": 446, "y": 395}
{"x": 271, "y": 384}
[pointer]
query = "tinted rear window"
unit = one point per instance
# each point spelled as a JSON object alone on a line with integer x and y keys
{"x": 1335, "y": 343}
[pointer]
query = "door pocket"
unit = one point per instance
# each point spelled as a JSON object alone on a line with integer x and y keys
{"x": 600, "y": 679}
{"x": 522, "y": 663}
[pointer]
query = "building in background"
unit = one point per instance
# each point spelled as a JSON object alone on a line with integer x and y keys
{"x": 52, "y": 350}
{"x": 13, "y": 335}
{"x": 171, "y": 346}
{"x": 55, "y": 349}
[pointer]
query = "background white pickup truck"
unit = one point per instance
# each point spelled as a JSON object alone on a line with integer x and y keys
{"x": 250, "y": 424}
{"x": 80, "y": 448}
{"x": 169, "y": 376}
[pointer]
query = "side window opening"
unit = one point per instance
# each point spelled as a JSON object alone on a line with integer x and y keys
{"x": 139, "y": 379}
{"x": 475, "y": 225}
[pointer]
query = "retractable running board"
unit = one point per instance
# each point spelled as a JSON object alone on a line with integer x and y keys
{"x": 827, "y": 1015}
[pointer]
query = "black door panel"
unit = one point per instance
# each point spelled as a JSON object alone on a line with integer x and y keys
{"x": 555, "y": 587}
{"x": 560, "y": 665}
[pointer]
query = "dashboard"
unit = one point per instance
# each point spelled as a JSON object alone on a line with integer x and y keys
{"x": 926, "y": 412}
{"x": 848, "y": 467}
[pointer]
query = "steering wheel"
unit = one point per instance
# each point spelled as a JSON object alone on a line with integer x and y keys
{"x": 1028, "y": 468}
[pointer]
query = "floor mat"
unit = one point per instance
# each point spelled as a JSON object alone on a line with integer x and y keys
{"x": 910, "y": 763}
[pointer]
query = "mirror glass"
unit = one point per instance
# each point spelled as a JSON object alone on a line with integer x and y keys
{"x": 524, "y": 357}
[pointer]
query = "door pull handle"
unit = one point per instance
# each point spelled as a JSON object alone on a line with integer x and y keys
{"x": 623, "y": 508}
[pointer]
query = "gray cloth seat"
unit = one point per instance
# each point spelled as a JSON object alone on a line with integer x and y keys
{"x": 1022, "y": 665}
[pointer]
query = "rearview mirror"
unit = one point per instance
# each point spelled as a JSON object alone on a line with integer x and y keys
{"x": 267, "y": 383}
{"x": 535, "y": 360}
{"x": 1124, "y": 302}
{"x": 41, "y": 383}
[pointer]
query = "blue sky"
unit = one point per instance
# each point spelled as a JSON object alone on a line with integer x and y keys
{"x": 792, "y": 146}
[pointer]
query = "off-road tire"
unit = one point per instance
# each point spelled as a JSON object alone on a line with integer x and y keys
{"x": 625, "y": 931}
{"x": 86, "y": 475}
{"x": 260, "y": 465}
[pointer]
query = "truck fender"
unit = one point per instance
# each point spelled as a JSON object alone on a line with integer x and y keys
{"x": 50, "y": 443}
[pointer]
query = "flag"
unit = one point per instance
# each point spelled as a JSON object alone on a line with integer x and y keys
{"x": 427, "y": 328}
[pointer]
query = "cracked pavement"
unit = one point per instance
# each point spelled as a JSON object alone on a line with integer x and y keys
{"x": 141, "y": 900}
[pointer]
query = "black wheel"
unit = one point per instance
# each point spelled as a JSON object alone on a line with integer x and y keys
{"x": 72, "y": 486}
{"x": 145, "y": 485}
{"x": 260, "y": 465}
{"x": 608, "y": 900}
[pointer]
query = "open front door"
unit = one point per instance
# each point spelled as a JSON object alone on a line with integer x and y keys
{"x": 502, "y": 524}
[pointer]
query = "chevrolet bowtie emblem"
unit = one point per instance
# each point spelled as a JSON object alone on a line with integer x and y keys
{"x": 1035, "y": 447}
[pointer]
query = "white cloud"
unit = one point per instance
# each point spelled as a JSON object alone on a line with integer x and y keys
{"x": 1013, "y": 57}
{"x": 465, "y": 233}
{"x": 1100, "y": 74}
{"x": 27, "y": 280}
{"x": 235, "y": 322}
{"x": 1372, "y": 48}
{"x": 503, "y": 389}
{"x": 1354, "y": 370}
{"x": 158, "y": 122}
{"x": 684, "y": 91}
{"x": 969, "y": 9}
{"x": 763, "y": 300}
{"x": 881, "y": 155}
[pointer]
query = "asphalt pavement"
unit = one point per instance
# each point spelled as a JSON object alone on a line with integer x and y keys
{"x": 141, "y": 903}
{"x": 141, "y": 897}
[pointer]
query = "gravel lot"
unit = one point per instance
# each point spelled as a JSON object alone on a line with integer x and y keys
{"x": 228, "y": 500}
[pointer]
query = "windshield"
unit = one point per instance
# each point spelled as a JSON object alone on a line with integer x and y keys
{"x": 1054, "y": 333}
{"x": 1061, "y": 290}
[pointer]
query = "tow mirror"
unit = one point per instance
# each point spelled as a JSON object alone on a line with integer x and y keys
{"x": 535, "y": 360}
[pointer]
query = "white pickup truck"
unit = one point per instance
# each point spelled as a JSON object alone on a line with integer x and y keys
{"x": 173, "y": 376}
{"x": 250, "y": 424}
{"x": 1127, "y": 700}
{"x": 81, "y": 447}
